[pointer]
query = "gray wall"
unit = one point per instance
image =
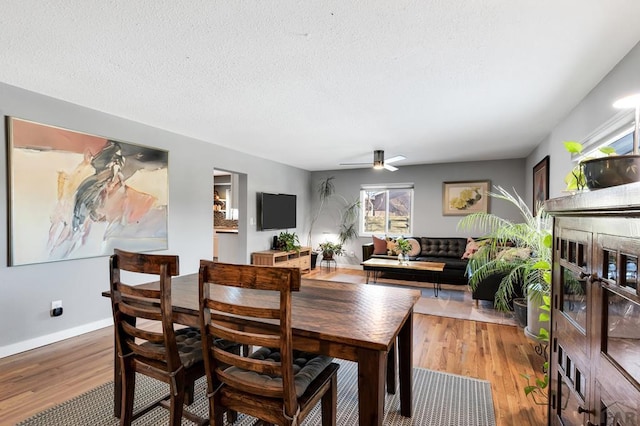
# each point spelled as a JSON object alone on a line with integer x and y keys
{"x": 427, "y": 180}
{"x": 27, "y": 291}
{"x": 592, "y": 112}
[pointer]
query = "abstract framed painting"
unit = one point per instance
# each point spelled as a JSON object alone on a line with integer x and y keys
{"x": 540, "y": 184}
{"x": 463, "y": 198}
{"x": 75, "y": 195}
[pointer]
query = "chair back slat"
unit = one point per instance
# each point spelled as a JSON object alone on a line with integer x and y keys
{"x": 248, "y": 386}
{"x": 145, "y": 312}
{"x": 271, "y": 286}
{"x": 141, "y": 293}
{"x": 156, "y": 353}
{"x": 139, "y": 333}
{"x": 243, "y": 311}
{"x": 262, "y": 278}
{"x": 244, "y": 338}
{"x": 147, "y": 264}
{"x": 260, "y": 366}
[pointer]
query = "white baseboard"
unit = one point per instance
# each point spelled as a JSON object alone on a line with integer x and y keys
{"x": 37, "y": 342}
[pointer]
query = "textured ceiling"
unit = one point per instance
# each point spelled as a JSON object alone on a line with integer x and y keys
{"x": 316, "y": 83}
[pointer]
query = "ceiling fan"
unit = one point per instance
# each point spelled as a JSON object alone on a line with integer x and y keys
{"x": 378, "y": 161}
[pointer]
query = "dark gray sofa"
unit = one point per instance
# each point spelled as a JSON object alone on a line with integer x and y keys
{"x": 446, "y": 250}
{"x": 487, "y": 288}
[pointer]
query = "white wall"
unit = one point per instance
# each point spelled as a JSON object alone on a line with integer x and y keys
{"x": 427, "y": 179}
{"x": 27, "y": 291}
{"x": 593, "y": 111}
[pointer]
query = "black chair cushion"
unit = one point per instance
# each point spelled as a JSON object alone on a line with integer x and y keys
{"x": 306, "y": 367}
{"x": 189, "y": 345}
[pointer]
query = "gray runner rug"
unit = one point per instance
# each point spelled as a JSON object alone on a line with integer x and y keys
{"x": 438, "y": 399}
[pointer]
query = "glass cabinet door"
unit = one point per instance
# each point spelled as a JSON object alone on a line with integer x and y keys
{"x": 621, "y": 333}
{"x": 573, "y": 295}
{"x": 570, "y": 369}
{"x": 618, "y": 361}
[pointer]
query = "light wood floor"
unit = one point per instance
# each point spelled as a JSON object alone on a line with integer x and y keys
{"x": 38, "y": 379}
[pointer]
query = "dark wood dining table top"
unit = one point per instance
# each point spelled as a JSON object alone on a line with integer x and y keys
{"x": 359, "y": 315}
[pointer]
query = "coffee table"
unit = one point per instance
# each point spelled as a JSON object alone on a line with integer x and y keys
{"x": 430, "y": 269}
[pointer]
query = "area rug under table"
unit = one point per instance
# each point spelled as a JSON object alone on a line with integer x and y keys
{"x": 438, "y": 399}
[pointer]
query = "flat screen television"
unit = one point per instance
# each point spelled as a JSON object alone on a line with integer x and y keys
{"x": 277, "y": 211}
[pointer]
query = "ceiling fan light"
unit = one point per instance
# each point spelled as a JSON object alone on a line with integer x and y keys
{"x": 378, "y": 159}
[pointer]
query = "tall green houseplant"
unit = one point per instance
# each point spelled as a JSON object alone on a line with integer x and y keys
{"x": 349, "y": 211}
{"x": 519, "y": 251}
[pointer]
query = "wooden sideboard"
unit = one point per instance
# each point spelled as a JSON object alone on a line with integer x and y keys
{"x": 595, "y": 308}
{"x": 292, "y": 259}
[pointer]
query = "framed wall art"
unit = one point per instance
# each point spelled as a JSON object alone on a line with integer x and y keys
{"x": 74, "y": 195}
{"x": 540, "y": 184}
{"x": 463, "y": 198}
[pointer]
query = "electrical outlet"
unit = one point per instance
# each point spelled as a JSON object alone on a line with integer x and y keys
{"x": 56, "y": 308}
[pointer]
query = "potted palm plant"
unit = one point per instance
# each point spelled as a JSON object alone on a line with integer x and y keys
{"x": 521, "y": 252}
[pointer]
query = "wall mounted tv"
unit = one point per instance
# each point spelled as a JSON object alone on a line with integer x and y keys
{"x": 276, "y": 211}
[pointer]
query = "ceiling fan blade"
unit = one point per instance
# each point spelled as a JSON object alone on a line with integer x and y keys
{"x": 396, "y": 158}
{"x": 379, "y": 161}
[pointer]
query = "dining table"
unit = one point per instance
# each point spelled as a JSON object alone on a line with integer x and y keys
{"x": 364, "y": 323}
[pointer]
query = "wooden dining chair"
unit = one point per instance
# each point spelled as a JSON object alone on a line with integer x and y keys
{"x": 169, "y": 355}
{"x": 275, "y": 383}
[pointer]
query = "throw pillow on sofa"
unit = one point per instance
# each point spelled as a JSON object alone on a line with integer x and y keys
{"x": 379, "y": 245}
{"x": 472, "y": 247}
{"x": 392, "y": 247}
{"x": 415, "y": 247}
{"x": 513, "y": 253}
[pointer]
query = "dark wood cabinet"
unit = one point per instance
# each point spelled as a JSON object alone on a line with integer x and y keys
{"x": 594, "y": 365}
